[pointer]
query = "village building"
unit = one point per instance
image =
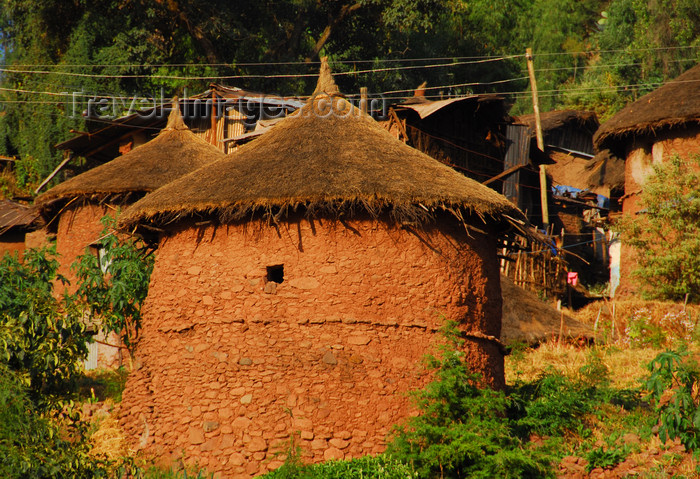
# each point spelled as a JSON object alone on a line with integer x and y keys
{"x": 16, "y": 221}
{"x": 466, "y": 132}
{"x": 661, "y": 124}
{"x": 216, "y": 115}
{"x": 73, "y": 209}
{"x": 297, "y": 286}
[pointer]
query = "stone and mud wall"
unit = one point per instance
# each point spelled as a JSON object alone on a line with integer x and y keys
{"x": 12, "y": 243}
{"x": 313, "y": 331}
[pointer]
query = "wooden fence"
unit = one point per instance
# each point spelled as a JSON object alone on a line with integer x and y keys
{"x": 536, "y": 268}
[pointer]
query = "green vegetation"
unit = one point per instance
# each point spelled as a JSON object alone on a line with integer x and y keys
{"x": 376, "y": 467}
{"x": 37, "y": 445}
{"x": 679, "y": 413}
{"x": 462, "y": 431}
{"x": 113, "y": 284}
{"x": 666, "y": 233}
{"x": 43, "y": 340}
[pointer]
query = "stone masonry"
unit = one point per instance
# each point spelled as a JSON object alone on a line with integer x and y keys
{"x": 314, "y": 330}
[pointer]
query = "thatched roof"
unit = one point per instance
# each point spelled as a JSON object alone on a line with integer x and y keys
{"x": 173, "y": 153}
{"x": 552, "y": 120}
{"x": 674, "y": 104}
{"x": 529, "y": 320}
{"x": 605, "y": 169}
{"x": 326, "y": 156}
{"x": 14, "y": 215}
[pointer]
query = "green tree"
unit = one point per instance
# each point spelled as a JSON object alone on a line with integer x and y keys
{"x": 42, "y": 339}
{"x": 665, "y": 234}
{"x": 113, "y": 285}
{"x": 640, "y": 45}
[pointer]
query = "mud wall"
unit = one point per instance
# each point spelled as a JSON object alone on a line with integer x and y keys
{"x": 12, "y": 243}
{"x": 235, "y": 360}
{"x": 78, "y": 227}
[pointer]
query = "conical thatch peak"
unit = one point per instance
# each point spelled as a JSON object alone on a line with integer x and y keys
{"x": 322, "y": 160}
{"x": 326, "y": 83}
{"x": 175, "y": 120}
{"x": 176, "y": 151}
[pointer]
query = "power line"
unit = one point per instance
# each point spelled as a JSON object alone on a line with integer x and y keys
{"x": 238, "y": 77}
{"x": 461, "y": 59}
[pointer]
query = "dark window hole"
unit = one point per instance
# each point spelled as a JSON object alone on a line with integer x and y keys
{"x": 275, "y": 274}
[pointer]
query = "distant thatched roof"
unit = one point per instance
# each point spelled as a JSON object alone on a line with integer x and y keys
{"x": 675, "y": 103}
{"x": 552, "y": 120}
{"x": 173, "y": 153}
{"x": 14, "y": 215}
{"x": 326, "y": 156}
{"x": 605, "y": 169}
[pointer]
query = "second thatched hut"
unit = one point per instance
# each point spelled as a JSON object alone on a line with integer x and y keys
{"x": 73, "y": 209}
{"x": 661, "y": 124}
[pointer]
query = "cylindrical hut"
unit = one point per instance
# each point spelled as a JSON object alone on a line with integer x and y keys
{"x": 659, "y": 125}
{"x": 297, "y": 286}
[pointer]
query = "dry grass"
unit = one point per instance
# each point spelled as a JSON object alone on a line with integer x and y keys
{"x": 627, "y": 366}
{"x": 108, "y": 439}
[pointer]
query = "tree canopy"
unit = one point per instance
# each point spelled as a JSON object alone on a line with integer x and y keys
{"x": 589, "y": 54}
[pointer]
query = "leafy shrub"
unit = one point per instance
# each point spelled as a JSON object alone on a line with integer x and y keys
{"x": 666, "y": 237}
{"x": 41, "y": 338}
{"x": 555, "y": 404}
{"x": 462, "y": 430}
{"x": 551, "y": 405}
{"x": 114, "y": 284}
{"x": 33, "y": 445}
{"x": 376, "y": 467}
{"x": 606, "y": 457}
{"x": 673, "y": 387}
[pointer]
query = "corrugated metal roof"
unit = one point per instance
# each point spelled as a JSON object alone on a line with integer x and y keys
{"x": 427, "y": 108}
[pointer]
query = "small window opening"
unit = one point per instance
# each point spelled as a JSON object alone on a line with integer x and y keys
{"x": 275, "y": 274}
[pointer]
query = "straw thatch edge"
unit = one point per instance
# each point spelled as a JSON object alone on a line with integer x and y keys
{"x": 416, "y": 215}
{"x": 603, "y": 138}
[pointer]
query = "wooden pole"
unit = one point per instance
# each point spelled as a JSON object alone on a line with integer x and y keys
{"x": 535, "y": 99}
{"x": 540, "y": 137}
{"x": 213, "y": 138}
{"x": 363, "y": 99}
{"x": 54, "y": 172}
{"x": 543, "y": 198}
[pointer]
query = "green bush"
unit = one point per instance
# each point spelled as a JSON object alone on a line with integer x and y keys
{"x": 36, "y": 445}
{"x": 673, "y": 387}
{"x": 606, "y": 457}
{"x": 42, "y": 339}
{"x": 666, "y": 233}
{"x": 375, "y": 467}
{"x": 113, "y": 285}
{"x": 551, "y": 405}
{"x": 462, "y": 430}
